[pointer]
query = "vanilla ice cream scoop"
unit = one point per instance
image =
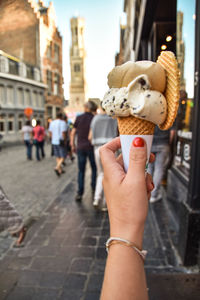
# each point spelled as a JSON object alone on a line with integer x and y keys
{"x": 136, "y": 99}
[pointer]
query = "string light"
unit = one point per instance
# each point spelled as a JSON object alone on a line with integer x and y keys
{"x": 168, "y": 38}
{"x": 163, "y": 47}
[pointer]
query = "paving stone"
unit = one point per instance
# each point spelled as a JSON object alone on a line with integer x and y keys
{"x": 98, "y": 266}
{"x": 25, "y": 293}
{"x": 8, "y": 279}
{"x": 92, "y": 232}
{"x": 20, "y": 263}
{"x": 75, "y": 281}
{"x": 89, "y": 241}
{"x": 71, "y": 294}
{"x": 81, "y": 265}
{"x": 50, "y": 263}
{"x": 95, "y": 282}
{"x": 101, "y": 252}
{"x": 92, "y": 296}
{"x": 48, "y": 251}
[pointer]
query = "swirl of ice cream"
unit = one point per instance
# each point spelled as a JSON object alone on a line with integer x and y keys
{"x": 136, "y": 99}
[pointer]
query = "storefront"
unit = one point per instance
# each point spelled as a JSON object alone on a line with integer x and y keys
{"x": 175, "y": 26}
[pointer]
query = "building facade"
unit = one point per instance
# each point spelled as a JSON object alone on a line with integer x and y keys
{"x": 51, "y": 60}
{"x": 78, "y": 84}
{"x": 174, "y": 25}
{"x": 29, "y": 33}
{"x": 20, "y": 87}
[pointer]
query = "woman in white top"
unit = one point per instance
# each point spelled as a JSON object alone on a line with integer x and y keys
{"x": 27, "y": 131}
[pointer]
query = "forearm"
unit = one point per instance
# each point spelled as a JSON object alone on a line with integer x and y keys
{"x": 124, "y": 275}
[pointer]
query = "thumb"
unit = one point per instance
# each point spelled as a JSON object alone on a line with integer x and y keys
{"x": 137, "y": 157}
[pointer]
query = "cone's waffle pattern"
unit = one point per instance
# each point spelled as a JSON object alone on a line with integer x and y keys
{"x": 168, "y": 61}
{"x": 134, "y": 126}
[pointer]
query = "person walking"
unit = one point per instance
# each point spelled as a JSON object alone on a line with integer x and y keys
{"x": 102, "y": 130}
{"x": 84, "y": 148}
{"x": 27, "y": 132}
{"x": 10, "y": 219}
{"x": 161, "y": 148}
{"x": 57, "y": 131}
{"x": 38, "y": 138}
{"x": 68, "y": 150}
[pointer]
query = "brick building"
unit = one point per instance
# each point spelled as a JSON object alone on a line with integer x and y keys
{"x": 28, "y": 32}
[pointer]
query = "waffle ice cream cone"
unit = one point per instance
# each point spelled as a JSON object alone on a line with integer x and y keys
{"x": 168, "y": 61}
{"x": 134, "y": 126}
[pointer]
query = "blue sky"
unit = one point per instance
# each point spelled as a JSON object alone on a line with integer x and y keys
{"x": 102, "y": 32}
{"x": 188, "y": 9}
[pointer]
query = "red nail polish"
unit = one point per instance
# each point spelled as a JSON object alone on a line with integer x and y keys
{"x": 138, "y": 142}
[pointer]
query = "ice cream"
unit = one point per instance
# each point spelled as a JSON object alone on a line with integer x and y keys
{"x": 141, "y": 95}
{"x": 138, "y": 100}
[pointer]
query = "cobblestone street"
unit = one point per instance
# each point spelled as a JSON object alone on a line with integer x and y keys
{"x": 64, "y": 251}
{"x": 30, "y": 185}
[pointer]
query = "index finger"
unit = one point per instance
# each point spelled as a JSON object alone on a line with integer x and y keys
{"x": 107, "y": 153}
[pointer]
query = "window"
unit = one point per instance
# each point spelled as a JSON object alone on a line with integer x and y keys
{"x": 49, "y": 111}
{"x": 2, "y": 123}
{"x": 76, "y": 31}
{"x": 29, "y": 72}
{"x": 35, "y": 100}
{"x": 20, "y": 122}
{"x": 2, "y": 94}
{"x": 49, "y": 81}
{"x": 58, "y": 110}
{"x": 10, "y": 123}
{"x": 10, "y": 95}
{"x": 56, "y": 52}
{"x": 13, "y": 67}
{"x": 49, "y": 50}
{"x": 77, "y": 68}
{"x": 40, "y": 100}
{"x": 27, "y": 98}
{"x": 56, "y": 84}
{"x": 20, "y": 97}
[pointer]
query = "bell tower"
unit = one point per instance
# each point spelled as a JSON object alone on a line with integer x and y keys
{"x": 78, "y": 84}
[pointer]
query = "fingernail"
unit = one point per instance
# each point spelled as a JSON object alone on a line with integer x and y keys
{"x": 138, "y": 142}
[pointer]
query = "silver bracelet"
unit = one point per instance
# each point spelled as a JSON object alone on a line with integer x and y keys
{"x": 116, "y": 240}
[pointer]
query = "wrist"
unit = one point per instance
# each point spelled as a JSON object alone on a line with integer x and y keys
{"x": 133, "y": 234}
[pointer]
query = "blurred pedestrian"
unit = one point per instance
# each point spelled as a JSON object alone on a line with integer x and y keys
{"x": 27, "y": 131}
{"x": 102, "y": 130}
{"x": 84, "y": 148}
{"x": 162, "y": 141}
{"x": 10, "y": 219}
{"x": 68, "y": 150}
{"x": 57, "y": 131}
{"x": 38, "y": 139}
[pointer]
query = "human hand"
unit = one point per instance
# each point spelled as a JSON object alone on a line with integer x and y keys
{"x": 126, "y": 194}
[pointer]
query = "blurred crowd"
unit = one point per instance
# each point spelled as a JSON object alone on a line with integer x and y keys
{"x": 81, "y": 139}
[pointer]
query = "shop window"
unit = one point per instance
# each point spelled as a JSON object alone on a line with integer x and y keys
{"x": 77, "y": 68}
{"x": 10, "y": 123}
{"x": 10, "y": 95}
{"x": 56, "y": 84}
{"x": 56, "y": 52}
{"x": 185, "y": 50}
{"x": 49, "y": 81}
{"x": 2, "y": 123}
{"x": 2, "y": 94}
{"x": 20, "y": 96}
